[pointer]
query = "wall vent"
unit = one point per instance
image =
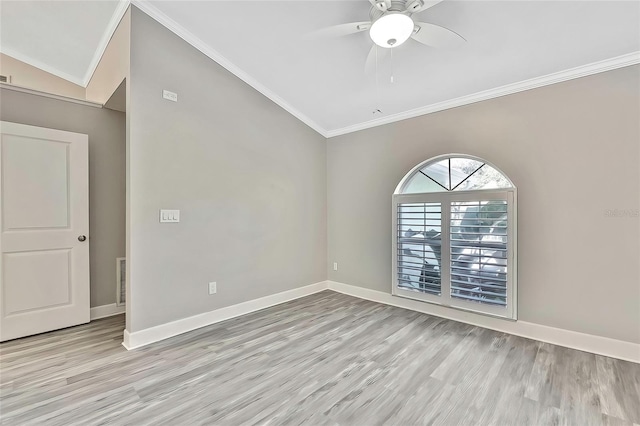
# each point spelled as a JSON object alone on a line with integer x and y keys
{"x": 5, "y": 79}
{"x": 121, "y": 282}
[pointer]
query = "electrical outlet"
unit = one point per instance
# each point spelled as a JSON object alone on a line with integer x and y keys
{"x": 335, "y": 266}
{"x": 213, "y": 288}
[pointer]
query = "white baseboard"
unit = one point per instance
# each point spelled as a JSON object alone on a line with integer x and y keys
{"x": 154, "y": 334}
{"x": 613, "y": 348}
{"x": 106, "y": 311}
{"x": 571, "y": 339}
{"x": 126, "y": 340}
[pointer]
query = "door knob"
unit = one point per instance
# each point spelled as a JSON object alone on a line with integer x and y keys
{"x": 82, "y": 238}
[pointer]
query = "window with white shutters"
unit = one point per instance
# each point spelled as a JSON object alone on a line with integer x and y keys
{"x": 419, "y": 247}
{"x": 454, "y": 236}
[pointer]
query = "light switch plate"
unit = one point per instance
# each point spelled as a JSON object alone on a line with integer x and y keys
{"x": 169, "y": 216}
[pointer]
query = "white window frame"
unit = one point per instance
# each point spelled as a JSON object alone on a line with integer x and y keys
{"x": 445, "y": 199}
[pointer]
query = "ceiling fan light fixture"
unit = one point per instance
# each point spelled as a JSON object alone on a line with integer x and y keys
{"x": 391, "y": 30}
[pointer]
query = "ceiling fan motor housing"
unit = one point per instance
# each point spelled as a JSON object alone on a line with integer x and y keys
{"x": 396, "y": 6}
{"x": 382, "y": 5}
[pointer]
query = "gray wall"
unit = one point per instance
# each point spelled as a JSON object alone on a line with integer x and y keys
{"x": 249, "y": 179}
{"x": 573, "y": 151}
{"x": 106, "y": 130}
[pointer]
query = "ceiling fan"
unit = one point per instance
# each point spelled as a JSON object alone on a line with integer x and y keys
{"x": 392, "y": 23}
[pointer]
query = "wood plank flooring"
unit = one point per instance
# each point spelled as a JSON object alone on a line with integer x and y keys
{"x": 326, "y": 359}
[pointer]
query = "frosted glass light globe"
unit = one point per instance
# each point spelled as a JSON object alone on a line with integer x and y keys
{"x": 391, "y": 30}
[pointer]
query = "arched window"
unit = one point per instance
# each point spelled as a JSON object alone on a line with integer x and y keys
{"x": 454, "y": 222}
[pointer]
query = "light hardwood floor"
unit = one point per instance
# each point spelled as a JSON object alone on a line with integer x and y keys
{"x": 324, "y": 359}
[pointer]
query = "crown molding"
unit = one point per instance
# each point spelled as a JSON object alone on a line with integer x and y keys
{"x": 203, "y": 47}
{"x": 41, "y": 65}
{"x": 8, "y": 86}
{"x": 102, "y": 46}
{"x": 629, "y": 59}
{"x": 121, "y": 9}
{"x": 557, "y": 77}
{"x": 553, "y": 78}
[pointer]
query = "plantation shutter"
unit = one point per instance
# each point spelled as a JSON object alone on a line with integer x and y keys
{"x": 456, "y": 249}
{"x": 479, "y": 254}
{"x": 419, "y": 247}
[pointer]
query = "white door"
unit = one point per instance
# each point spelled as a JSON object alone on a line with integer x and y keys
{"x": 44, "y": 216}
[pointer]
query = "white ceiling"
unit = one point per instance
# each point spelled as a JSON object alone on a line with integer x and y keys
{"x": 323, "y": 82}
{"x": 65, "y": 38}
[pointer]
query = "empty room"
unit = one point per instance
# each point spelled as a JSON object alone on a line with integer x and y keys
{"x": 357, "y": 212}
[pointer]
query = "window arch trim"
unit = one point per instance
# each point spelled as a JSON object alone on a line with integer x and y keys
{"x": 417, "y": 169}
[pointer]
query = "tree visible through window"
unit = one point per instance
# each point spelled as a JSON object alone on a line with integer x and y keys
{"x": 454, "y": 242}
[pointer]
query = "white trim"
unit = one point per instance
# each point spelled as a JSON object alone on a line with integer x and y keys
{"x": 613, "y": 348}
{"x": 119, "y": 261}
{"x": 49, "y": 95}
{"x": 545, "y": 80}
{"x": 102, "y": 46}
{"x": 44, "y": 67}
{"x": 619, "y": 349}
{"x": 154, "y": 334}
{"x": 104, "y": 311}
{"x": 126, "y": 340}
{"x": 557, "y": 77}
{"x": 203, "y": 47}
{"x": 121, "y": 9}
{"x": 621, "y": 61}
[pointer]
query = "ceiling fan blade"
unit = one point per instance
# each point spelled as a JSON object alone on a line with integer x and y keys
{"x": 339, "y": 30}
{"x": 417, "y": 6}
{"x": 436, "y": 36}
{"x": 370, "y": 63}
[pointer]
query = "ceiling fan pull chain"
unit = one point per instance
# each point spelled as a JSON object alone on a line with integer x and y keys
{"x": 377, "y": 85}
{"x": 391, "y": 65}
